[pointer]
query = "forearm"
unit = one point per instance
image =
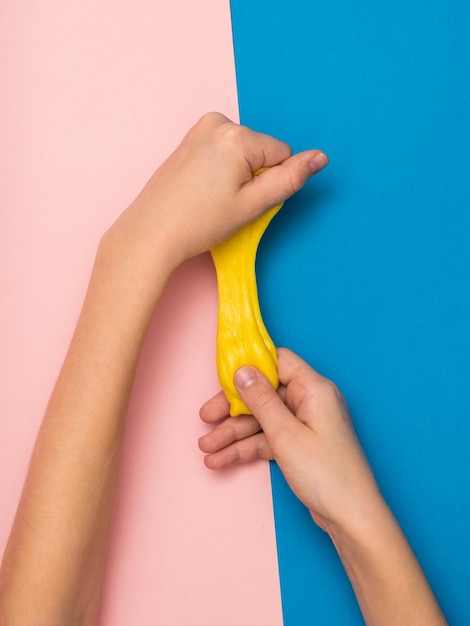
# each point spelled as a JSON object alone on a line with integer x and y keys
{"x": 203, "y": 193}
{"x": 53, "y": 563}
{"x": 387, "y": 579}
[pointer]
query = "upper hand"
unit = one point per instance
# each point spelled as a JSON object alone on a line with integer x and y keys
{"x": 206, "y": 189}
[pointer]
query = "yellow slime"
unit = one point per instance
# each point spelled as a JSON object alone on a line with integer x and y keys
{"x": 242, "y": 338}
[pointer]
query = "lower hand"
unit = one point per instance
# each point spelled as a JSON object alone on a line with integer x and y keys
{"x": 307, "y": 429}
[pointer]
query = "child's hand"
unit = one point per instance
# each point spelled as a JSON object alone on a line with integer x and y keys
{"x": 307, "y": 429}
{"x": 205, "y": 190}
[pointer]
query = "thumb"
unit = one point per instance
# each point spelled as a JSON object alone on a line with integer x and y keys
{"x": 263, "y": 401}
{"x": 277, "y": 183}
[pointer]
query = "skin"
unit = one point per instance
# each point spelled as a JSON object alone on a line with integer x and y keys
{"x": 307, "y": 429}
{"x": 52, "y": 569}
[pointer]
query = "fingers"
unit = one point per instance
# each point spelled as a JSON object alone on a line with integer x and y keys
{"x": 307, "y": 388}
{"x": 278, "y": 423}
{"x": 291, "y": 366}
{"x": 258, "y": 149}
{"x": 286, "y": 175}
{"x": 240, "y": 151}
{"x": 245, "y": 451}
{"x": 229, "y": 431}
{"x": 263, "y": 150}
{"x": 238, "y": 439}
{"x": 235, "y": 440}
{"x": 284, "y": 179}
{"x": 215, "y": 409}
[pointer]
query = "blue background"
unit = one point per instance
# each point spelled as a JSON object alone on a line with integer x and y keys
{"x": 366, "y": 272}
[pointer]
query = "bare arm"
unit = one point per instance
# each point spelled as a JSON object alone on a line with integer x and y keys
{"x": 53, "y": 563}
{"x": 52, "y": 568}
{"x": 307, "y": 429}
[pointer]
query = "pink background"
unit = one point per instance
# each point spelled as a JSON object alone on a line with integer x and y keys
{"x": 94, "y": 96}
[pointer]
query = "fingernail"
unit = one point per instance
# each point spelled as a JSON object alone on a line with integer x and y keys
{"x": 245, "y": 377}
{"x": 319, "y": 161}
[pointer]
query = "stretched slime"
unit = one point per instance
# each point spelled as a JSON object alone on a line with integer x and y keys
{"x": 242, "y": 338}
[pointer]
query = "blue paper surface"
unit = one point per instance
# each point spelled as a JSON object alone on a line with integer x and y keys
{"x": 366, "y": 272}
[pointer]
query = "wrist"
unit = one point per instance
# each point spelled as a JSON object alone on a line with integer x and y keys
{"x": 363, "y": 529}
{"x": 149, "y": 235}
{"x": 362, "y": 520}
{"x": 388, "y": 581}
{"x": 136, "y": 265}
{"x": 124, "y": 290}
{"x": 369, "y": 547}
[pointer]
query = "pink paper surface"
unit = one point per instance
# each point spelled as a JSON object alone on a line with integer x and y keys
{"x": 94, "y": 96}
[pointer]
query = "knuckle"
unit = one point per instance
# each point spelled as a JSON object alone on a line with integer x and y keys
{"x": 295, "y": 181}
{"x": 237, "y": 455}
{"x": 262, "y": 449}
{"x": 232, "y": 135}
{"x": 328, "y": 391}
{"x": 211, "y": 117}
{"x": 208, "y": 125}
{"x": 286, "y": 148}
{"x": 232, "y": 432}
